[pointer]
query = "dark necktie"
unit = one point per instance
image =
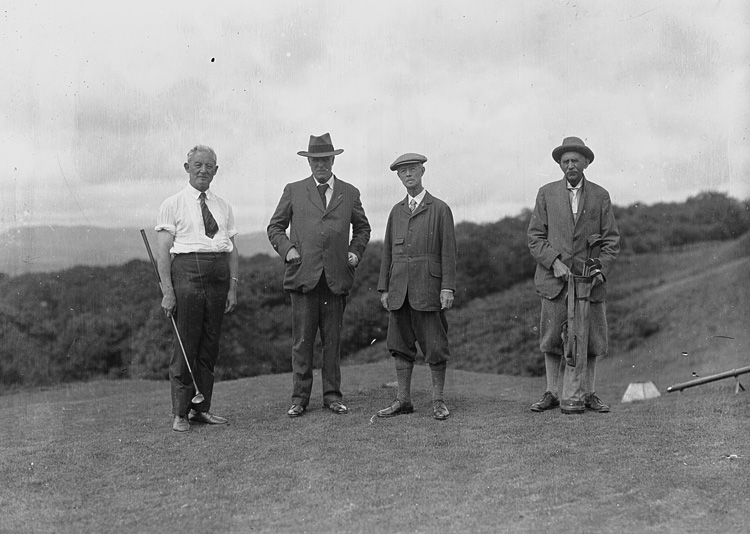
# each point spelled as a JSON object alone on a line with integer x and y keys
{"x": 209, "y": 223}
{"x": 322, "y": 188}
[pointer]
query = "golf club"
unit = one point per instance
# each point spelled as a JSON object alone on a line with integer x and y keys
{"x": 198, "y": 398}
{"x": 593, "y": 243}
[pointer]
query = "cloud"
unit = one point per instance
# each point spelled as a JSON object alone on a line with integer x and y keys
{"x": 112, "y": 101}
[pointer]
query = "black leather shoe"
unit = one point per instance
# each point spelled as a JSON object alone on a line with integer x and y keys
{"x": 207, "y": 418}
{"x": 180, "y": 424}
{"x": 397, "y": 408}
{"x": 337, "y": 407}
{"x": 572, "y": 407}
{"x": 547, "y": 402}
{"x": 440, "y": 410}
{"x": 595, "y": 404}
{"x": 296, "y": 410}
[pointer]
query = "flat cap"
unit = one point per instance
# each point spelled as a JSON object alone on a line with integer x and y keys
{"x": 405, "y": 159}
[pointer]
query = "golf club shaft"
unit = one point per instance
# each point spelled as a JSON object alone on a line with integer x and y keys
{"x": 174, "y": 324}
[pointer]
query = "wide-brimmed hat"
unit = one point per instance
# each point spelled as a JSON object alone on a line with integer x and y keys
{"x": 320, "y": 147}
{"x": 406, "y": 159}
{"x": 572, "y": 144}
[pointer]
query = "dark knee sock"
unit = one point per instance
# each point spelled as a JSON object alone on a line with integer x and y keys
{"x": 438, "y": 380}
{"x": 404, "y": 369}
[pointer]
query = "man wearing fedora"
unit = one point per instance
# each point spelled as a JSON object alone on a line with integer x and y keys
{"x": 417, "y": 281}
{"x": 320, "y": 264}
{"x": 567, "y": 212}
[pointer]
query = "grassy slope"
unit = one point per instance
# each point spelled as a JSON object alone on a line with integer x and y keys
{"x": 100, "y": 457}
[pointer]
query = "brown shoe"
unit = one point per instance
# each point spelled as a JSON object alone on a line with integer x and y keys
{"x": 296, "y": 410}
{"x": 337, "y": 407}
{"x": 572, "y": 406}
{"x": 547, "y": 402}
{"x": 595, "y": 404}
{"x": 207, "y": 418}
{"x": 440, "y": 410}
{"x": 396, "y": 408}
{"x": 180, "y": 424}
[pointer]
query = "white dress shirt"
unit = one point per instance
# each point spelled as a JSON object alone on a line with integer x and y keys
{"x": 418, "y": 199}
{"x": 575, "y": 196}
{"x": 181, "y": 216}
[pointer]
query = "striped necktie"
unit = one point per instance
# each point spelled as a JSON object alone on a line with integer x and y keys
{"x": 209, "y": 223}
{"x": 412, "y": 205}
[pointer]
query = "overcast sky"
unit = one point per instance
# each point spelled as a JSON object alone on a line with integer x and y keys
{"x": 102, "y": 101}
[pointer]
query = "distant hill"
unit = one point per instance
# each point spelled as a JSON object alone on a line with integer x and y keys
{"x": 47, "y": 248}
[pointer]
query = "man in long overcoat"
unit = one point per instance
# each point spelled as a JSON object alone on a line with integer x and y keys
{"x": 417, "y": 281}
{"x": 567, "y": 212}
{"x": 320, "y": 264}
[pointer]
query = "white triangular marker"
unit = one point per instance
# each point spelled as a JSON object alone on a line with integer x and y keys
{"x": 640, "y": 391}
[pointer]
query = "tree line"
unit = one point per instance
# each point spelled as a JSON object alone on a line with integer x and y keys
{"x": 89, "y": 322}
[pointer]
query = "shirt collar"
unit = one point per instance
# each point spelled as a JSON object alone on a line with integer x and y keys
{"x": 329, "y": 182}
{"x": 418, "y": 199}
{"x": 193, "y": 192}
{"x": 577, "y": 187}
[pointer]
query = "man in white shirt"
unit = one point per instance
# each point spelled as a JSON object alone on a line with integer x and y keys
{"x": 198, "y": 263}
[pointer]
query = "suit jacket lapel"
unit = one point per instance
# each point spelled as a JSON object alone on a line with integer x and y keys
{"x": 405, "y": 205}
{"x": 337, "y": 197}
{"x": 582, "y": 207}
{"x": 565, "y": 201}
{"x": 313, "y": 195}
{"x": 422, "y": 206}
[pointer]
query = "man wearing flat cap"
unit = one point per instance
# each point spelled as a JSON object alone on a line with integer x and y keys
{"x": 569, "y": 215}
{"x": 320, "y": 264}
{"x": 417, "y": 281}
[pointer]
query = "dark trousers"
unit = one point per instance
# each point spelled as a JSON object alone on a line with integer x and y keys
{"x": 406, "y": 326}
{"x": 320, "y": 309}
{"x": 201, "y": 284}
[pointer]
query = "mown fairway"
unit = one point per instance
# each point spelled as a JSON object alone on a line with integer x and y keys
{"x": 100, "y": 457}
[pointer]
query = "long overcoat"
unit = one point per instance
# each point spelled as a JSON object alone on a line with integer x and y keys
{"x": 320, "y": 235}
{"x": 419, "y": 254}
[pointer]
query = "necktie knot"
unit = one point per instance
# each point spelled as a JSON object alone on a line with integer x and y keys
{"x": 412, "y": 204}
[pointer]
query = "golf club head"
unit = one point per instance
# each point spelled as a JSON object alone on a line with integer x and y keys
{"x": 594, "y": 263}
{"x": 199, "y": 398}
{"x": 595, "y": 240}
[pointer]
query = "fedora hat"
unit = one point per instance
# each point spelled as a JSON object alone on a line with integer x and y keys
{"x": 320, "y": 147}
{"x": 572, "y": 144}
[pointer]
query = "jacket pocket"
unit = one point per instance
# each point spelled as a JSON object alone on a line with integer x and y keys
{"x": 436, "y": 269}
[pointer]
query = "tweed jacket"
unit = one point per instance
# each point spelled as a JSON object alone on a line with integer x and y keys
{"x": 320, "y": 235}
{"x": 419, "y": 254}
{"x": 553, "y": 233}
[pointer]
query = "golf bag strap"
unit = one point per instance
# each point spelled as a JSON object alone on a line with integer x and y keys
{"x": 570, "y": 342}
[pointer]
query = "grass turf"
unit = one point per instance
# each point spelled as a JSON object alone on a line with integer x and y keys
{"x": 100, "y": 457}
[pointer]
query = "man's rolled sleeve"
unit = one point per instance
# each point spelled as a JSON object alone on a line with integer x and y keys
{"x": 165, "y": 220}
